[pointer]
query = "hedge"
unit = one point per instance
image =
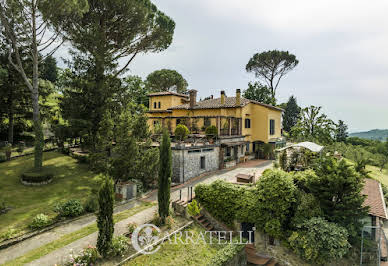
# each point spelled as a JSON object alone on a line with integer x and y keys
{"x": 226, "y": 254}
{"x": 37, "y": 176}
{"x": 226, "y": 202}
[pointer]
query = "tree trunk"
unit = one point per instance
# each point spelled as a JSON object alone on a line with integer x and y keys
{"x": 10, "y": 117}
{"x": 39, "y": 139}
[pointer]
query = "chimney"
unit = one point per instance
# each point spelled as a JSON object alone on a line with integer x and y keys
{"x": 193, "y": 98}
{"x": 238, "y": 97}
{"x": 222, "y": 97}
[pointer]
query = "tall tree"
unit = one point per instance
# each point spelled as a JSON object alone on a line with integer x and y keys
{"x": 291, "y": 114}
{"x": 271, "y": 66}
{"x": 383, "y": 150}
{"x": 341, "y": 131}
{"x": 259, "y": 92}
{"x": 314, "y": 126}
{"x": 105, "y": 221}
{"x": 165, "y": 172}
{"x": 112, "y": 31}
{"x": 134, "y": 157}
{"x": 14, "y": 100}
{"x": 23, "y": 27}
{"x": 49, "y": 69}
{"x": 338, "y": 187}
{"x": 135, "y": 90}
{"x": 166, "y": 80}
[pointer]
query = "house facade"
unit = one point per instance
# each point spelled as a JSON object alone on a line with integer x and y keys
{"x": 243, "y": 127}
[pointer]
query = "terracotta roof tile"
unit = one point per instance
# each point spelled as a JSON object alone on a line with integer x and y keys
{"x": 375, "y": 198}
{"x": 164, "y": 93}
{"x": 230, "y": 102}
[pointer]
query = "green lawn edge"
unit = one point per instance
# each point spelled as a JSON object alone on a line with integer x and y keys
{"x": 74, "y": 236}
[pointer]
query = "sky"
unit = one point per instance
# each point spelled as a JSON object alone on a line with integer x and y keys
{"x": 341, "y": 47}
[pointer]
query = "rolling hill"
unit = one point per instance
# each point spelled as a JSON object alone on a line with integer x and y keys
{"x": 375, "y": 134}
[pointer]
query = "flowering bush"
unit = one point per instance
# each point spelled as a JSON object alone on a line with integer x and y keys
{"x": 119, "y": 246}
{"x": 88, "y": 256}
{"x": 40, "y": 221}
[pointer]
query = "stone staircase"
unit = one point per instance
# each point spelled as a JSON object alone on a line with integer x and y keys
{"x": 255, "y": 259}
{"x": 206, "y": 224}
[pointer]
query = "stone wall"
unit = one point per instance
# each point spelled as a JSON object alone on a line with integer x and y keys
{"x": 186, "y": 161}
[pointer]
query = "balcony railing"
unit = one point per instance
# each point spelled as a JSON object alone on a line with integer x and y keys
{"x": 233, "y": 132}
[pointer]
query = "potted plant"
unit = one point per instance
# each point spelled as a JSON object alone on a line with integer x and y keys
{"x": 211, "y": 133}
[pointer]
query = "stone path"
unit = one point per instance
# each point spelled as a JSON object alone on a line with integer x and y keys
{"x": 37, "y": 241}
{"x": 61, "y": 255}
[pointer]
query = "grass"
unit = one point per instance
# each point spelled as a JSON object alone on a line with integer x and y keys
{"x": 180, "y": 254}
{"x": 70, "y": 238}
{"x": 71, "y": 181}
{"x": 376, "y": 174}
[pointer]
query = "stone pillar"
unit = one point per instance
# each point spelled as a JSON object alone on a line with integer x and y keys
{"x": 218, "y": 124}
{"x": 230, "y": 126}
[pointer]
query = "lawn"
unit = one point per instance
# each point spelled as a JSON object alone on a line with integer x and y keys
{"x": 71, "y": 181}
{"x": 180, "y": 254}
{"x": 376, "y": 174}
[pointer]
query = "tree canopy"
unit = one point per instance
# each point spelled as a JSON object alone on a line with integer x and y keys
{"x": 271, "y": 67}
{"x": 259, "y": 92}
{"x": 166, "y": 80}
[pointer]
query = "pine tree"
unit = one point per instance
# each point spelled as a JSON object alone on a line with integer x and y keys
{"x": 165, "y": 172}
{"x": 291, "y": 114}
{"x": 341, "y": 132}
{"x": 105, "y": 217}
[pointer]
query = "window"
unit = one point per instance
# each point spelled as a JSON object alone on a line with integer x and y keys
{"x": 154, "y": 105}
{"x": 203, "y": 162}
{"x": 228, "y": 151}
{"x": 178, "y": 121}
{"x": 272, "y": 127}
{"x": 207, "y": 122}
{"x": 159, "y": 105}
{"x": 247, "y": 147}
{"x": 156, "y": 122}
{"x": 247, "y": 123}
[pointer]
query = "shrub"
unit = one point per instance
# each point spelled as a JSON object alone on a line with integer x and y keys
{"x": 91, "y": 205}
{"x": 211, "y": 132}
{"x": 21, "y": 147}
{"x": 37, "y": 176}
{"x": 225, "y": 254}
{"x": 220, "y": 196}
{"x": 283, "y": 160}
{"x": 40, "y": 221}
{"x": 194, "y": 208}
{"x": 131, "y": 227}
{"x": 119, "y": 246}
{"x": 319, "y": 241}
{"x": 10, "y": 233}
{"x": 277, "y": 195}
{"x": 181, "y": 132}
{"x": 3, "y": 158}
{"x": 169, "y": 222}
{"x": 88, "y": 256}
{"x": 70, "y": 208}
{"x": 307, "y": 208}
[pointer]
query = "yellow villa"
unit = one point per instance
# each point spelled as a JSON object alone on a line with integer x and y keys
{"x": 243, "y": 126}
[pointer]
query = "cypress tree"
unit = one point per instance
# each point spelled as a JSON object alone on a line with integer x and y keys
{"x": 291, "y": 114}
{"x": 105, "y": 217}
{"x": 165, "y": 172}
